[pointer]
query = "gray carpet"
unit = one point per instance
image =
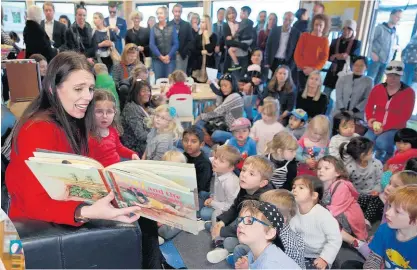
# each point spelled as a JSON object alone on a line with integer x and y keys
{"x": 194, "y": 248}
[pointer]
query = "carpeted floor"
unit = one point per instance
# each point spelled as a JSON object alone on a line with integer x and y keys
{"x": 193, "y": 250}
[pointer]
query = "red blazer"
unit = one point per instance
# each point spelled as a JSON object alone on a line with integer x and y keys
{"x": 392, "y": 113}
{"x": 28, "y": 198}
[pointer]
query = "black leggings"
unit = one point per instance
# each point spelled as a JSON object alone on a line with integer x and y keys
{"x": 152, "y": 257}
{"x": 372, "y": 207}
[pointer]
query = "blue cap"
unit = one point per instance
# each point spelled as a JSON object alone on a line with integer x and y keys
{"x": 300, "y": 114}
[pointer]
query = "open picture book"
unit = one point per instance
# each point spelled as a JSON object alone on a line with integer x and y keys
{"x": 165, "y": 191}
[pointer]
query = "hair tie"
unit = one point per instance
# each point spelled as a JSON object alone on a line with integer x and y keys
{"x": 172, "y": 112}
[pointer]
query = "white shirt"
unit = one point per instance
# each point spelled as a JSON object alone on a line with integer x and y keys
{"x": 285, "y": 36}
{"x": 265, "y": 133}
{"x": 112, "y": 23}
{"x": 49, "y": 29}
{"x": 226, "y": 188}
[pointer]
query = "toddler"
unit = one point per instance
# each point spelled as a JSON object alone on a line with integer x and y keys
{"x": 313, "y": 144}
{"x": 281, "y": 151}
{"x": 177, "y": 81}
{"x": 253, "y": 181}
{"x": 394, "y": 244}
{"x": 406, "y": 143}
{"x": 297, "y": 123}
{"x": 259, "y": 227}
{"x": 104, "y": 142}
{"x": 365, "y": 173}
{"x": 264, "y": 130}
{"x": 165, "y": 130}
{"x": 315, "y": 224}
{"x": 343, "y": 131}
{"x": 340, "y": 198}
{"x": 241, "y": 140}
{"x": 226, "y": 184}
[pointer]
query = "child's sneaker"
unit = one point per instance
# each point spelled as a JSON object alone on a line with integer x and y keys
{"x": 235, "y": 67}
{"x": 217, "y": 255}
{"x": 161, "y": 240}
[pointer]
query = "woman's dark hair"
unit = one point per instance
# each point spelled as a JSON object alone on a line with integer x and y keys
{"x": 13, "y": 35}
{"x": 289, "y": 83}
{"x": 355, "y": 148}
{"x": 67, "y": 19}
{"x": 80, "y": 5}
{"x": 135, "y": 90}
{"x": 406, "y": 135}
{"x": 300, "y": 12}
{"x": 38, "y": 57}
{"x": 232, "y": 79}
{"x": 48, "y": 107}
{"x": 411, "y": 165}
{"x": 340, "y": 118}
{"x": 360, "y": 57}
{"x": 313, "y": 183}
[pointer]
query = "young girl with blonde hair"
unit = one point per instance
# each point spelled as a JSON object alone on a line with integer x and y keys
{"x": 165, "y": 130}
{"x": 281, "y": 151}
{"x": 314, "y": 144}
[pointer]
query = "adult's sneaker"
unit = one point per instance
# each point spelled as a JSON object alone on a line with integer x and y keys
{"x": 217, "y": 255}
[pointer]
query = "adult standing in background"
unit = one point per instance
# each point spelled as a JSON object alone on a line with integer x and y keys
{"x": 103, "y": 42}
{"x": 138, "y": 35}
{"x": 185, "y": 38}
{"x": 163, "y": 43}
{"x": 281, "y": 44}
{"x": 384, "y": 45}
{"x": 409, "y": 56}
{"x": 54, "y": 29}
{"x": 218, "y": 30}
{"x": 151, "y": 22}
{"x": 65, "y": 21}
{"x": 260, "y": 25}
{"x": 302, "y": 20}
{"x": 35, "y": 38}
{"x": 117, "y": 25}
{"x": 229, "y": 30}
{"x": 129, "y": 60}
{"x": 195, "y": 28}
{"x": 318, "y": 9}
{"x": 264, "y": 33}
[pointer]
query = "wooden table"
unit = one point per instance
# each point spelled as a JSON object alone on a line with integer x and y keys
{"x": 203, "y": 92}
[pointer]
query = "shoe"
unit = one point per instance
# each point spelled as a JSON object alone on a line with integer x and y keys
{"x": 161, "y": 240}
{"x": 231, "y": 260}
{"x": 235, "y": 67}
{"x": 217, "y": 255}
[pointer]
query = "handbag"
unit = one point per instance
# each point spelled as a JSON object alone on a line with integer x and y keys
{"x": 114, "y": 54}
{"x": 216, "y": 124}
{"x": 200, "y": 75}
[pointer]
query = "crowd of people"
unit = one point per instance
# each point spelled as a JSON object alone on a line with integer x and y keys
{"x": 286, "y": 178}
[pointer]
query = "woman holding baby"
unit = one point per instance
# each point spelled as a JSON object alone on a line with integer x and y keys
{"x": 389, "y": 107}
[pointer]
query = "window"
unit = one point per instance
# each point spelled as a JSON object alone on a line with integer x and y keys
{"x": 277, "y": 7}
{"x": 91, "y": 9}
{"x": 14, "y": 16}
{"x": 148, "y": 11}
{"x": 61, "y": 9}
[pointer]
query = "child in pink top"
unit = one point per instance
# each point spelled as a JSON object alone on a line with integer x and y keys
{"x": 177, "y": 79}
{"x": 340, "y": 198}
{"x": 104, "y": 142}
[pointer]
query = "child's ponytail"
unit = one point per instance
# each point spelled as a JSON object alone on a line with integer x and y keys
{"x": 342, "y": 150}
{"x": 357, "y": 147}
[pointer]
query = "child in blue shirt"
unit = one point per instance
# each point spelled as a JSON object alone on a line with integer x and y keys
{"x": 241, "y": 140}
{"x": 394, "y": 244}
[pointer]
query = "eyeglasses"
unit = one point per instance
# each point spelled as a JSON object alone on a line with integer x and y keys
{"x": 394, "y": 67}
{"x": 157, "y": 116}
{"x": 248, "y": 220}
{"x": 101, "y": 113}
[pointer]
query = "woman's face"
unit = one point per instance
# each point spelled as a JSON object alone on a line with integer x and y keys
{"x": 319, "y": 26}
{"x": 144, "y": 95}
{"x": 256, "y": 57}
{"x": 160, "y": 13}
{"x": 271, "y": 21}
{"x": 359, "y": 67}
{"x": 76, "y": 92}
{"x": 314, "y": 81}
{"x": 226, "y": 87}
{"x": 64, "y": 21}
{"x": 136, "y": 21}
{"x": 98, "y": 22}
{"x": 393, "y": 80}
{"x": 347, "y": 32}
{"x": 132, "y": 56}
{"x": 282, "y": 75}
{"x": 203, "y": 24}
{"x": 151, "y": 22}
{"x": 80, "y": 17}
{"x": 43, "y": 66}
{"x": 231, "y": 16}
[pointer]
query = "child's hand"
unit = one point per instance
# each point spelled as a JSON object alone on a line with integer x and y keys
{"x": 311, "y": 163}
{"x": 215, "y": 231}
{"x": 229, "y": 38}
{"x": 135, "y": 157}
{"x": 208, "y": 202}
{"x": 242, "y": 263}
{"x": 320, "y": 263}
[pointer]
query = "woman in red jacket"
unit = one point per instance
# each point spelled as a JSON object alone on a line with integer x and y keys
{"x": 389, "y": 107}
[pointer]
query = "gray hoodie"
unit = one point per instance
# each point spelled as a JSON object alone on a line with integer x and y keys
{"x": 383, "y": 41}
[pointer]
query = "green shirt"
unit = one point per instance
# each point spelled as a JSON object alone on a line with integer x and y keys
{"x": 105, "y": 82}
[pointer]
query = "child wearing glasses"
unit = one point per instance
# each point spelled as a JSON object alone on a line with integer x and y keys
{"x": 165, "y": 130}
{"x": 104, "y": 142}
{"x": 259, "y": 227}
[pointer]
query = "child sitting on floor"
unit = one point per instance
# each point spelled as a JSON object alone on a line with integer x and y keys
{"x": 254, "y": 180}
{"x": 259, "y": 227}
{"x": 297, "y": 123}
{"x": 343, "y": 131}
{"x": 177, "y": 81}
{"x": 394, "y": 244}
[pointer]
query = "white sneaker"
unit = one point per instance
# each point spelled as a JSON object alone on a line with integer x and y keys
{"x": 217, "y": 255}
{"x": 161, "y": 240}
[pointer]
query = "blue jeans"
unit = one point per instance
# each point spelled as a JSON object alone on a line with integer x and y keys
{"x": 240, "y": 251}
{"x": 408, "y": 76}
{"x": 376, "y": 71}
{"x": 206, "y": 213}
{"x": 220, "y": 136}
{"x": 384, "y": 143}
{"x": 162, "y": 70}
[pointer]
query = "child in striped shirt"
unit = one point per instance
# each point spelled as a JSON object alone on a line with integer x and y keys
{"x": 281, "y": 152}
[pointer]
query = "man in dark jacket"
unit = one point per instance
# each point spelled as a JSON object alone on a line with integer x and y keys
{"x": 53, "y": 28}
{"x": 185, "y": 37}
{"x": 218, "y": 30}
{"x": 281, "y": 44}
